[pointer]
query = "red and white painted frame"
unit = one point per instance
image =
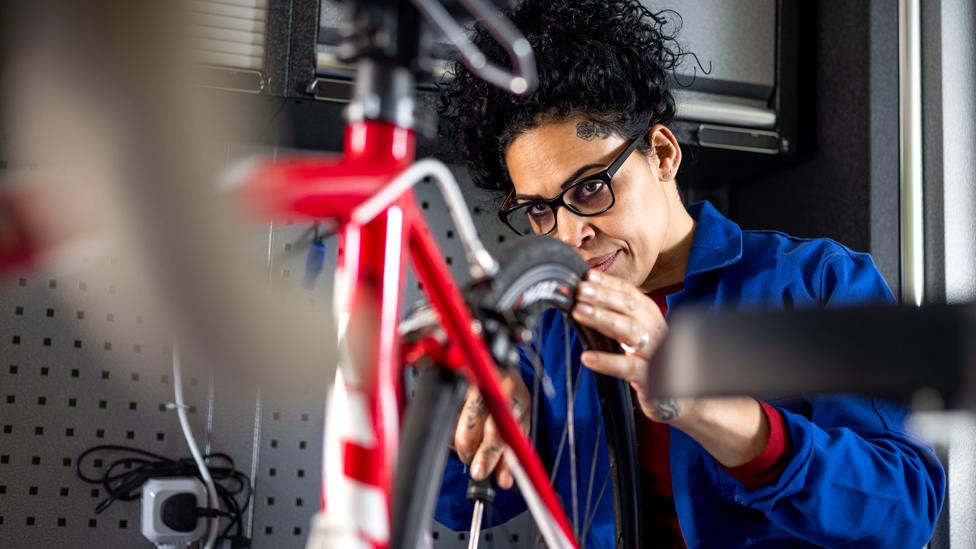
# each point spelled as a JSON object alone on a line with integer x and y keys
{"x": 381, "y": 225}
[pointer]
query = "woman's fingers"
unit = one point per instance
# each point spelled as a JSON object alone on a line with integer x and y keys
{"x": 618, "y": 310}
{"x": 476, "y": 437}
{"x": 624, "y": 301}
{"x": 489, "y": 453}
{"x": 615, "y": 294}
{"x": 503, "y": 476}
{"x": 629, "y": 368}
{"x": 630, "y": 330}
{"x": 470, "y": 425}
{"x": 513, "y": 386}
{"x": 609, "y": 281}
{"x": 611, "y": 324}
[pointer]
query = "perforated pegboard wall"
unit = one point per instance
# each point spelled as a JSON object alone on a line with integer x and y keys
{"x": 66, "y": 386}
{"x": 65, "y": 389}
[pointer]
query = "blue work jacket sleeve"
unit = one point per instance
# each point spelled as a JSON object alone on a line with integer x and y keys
{"x": 857, "y": 478}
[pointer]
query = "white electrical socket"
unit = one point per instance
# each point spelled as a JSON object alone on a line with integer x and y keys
{"x": 162, "y": 500}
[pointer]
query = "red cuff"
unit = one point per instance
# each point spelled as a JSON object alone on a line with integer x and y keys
{"x": 765, "y": 468}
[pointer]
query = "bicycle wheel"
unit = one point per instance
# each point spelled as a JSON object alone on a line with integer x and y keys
{"x": 538, "y": 275}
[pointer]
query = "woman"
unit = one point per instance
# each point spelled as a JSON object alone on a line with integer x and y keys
{"x": 588, "y": 159}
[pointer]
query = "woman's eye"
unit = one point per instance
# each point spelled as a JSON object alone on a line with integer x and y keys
{"x": 537, "y": 210}
{"x": 589, "y": 188}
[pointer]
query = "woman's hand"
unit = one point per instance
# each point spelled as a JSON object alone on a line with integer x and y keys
{"x": 476, "y": 438}
{"x": 619, "y": 310}
{"x": 733, "y": 430}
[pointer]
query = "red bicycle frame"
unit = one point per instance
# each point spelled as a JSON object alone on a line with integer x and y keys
{"x": 364, "y": 411}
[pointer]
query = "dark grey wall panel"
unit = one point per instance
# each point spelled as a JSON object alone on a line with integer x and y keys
{"x": 290, "y": 56}
{"x": 737, "y": 39}
{"x": 884, "y": 211}
{"x": 932, "y": 124}
{"x": 845, "y": 184}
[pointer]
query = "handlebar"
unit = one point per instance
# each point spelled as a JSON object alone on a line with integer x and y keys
{"x": 522, "y": 79}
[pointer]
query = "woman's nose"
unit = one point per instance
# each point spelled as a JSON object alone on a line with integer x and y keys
{"x": 571, "y": 228}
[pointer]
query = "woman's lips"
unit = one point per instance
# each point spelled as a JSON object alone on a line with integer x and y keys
{"x": 603, "y": 262}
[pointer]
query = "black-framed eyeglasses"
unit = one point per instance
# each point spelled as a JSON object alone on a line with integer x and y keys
{"x": 588, "y": 196}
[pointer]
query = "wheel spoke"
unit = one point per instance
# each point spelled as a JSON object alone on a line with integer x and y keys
{"x": 563, "y": 436}
{"x": 538, "y": 372}
{"x": 571, "y": 428}
{"x": 567, "y": 441}
{"x": 589, "y": 489}
{"x": 599, "y": 498}
{"x": 580, "y": 496}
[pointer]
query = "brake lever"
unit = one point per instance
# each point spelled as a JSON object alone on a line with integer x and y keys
{"x": 522, "y": 79}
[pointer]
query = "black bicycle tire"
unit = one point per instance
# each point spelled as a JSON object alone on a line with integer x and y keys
{"x": 425, "y": 435}
{"x": 617, "y": 409}
{"x": 525, "y": 264}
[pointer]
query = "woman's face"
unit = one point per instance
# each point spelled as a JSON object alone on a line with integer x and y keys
{"x": 624, "y": 241}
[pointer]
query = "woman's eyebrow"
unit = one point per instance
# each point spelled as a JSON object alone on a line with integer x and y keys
{"x": 569, "y": 181}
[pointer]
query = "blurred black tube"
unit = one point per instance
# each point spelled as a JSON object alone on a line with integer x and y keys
{"x": 889, "y": 352}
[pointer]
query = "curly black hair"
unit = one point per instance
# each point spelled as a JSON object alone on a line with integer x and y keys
{"x": 608, "y": 61}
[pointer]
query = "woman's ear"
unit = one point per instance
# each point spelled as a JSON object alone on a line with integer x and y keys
{"x": 665, "y": 152}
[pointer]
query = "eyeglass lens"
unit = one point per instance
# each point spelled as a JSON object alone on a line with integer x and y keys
{"x": 588, "y": 197}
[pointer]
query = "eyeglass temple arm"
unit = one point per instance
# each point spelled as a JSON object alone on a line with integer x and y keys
{"x": 634, "y": 143}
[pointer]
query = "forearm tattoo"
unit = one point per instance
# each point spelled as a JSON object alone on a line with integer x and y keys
{"x": 666, "y": 409}
{"x": 588, "y": 130}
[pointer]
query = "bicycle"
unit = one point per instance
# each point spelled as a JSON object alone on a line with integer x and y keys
{"x": 380, "y": 476}
{"x": 368, "y": 496}
{"x": 378, "y": 473}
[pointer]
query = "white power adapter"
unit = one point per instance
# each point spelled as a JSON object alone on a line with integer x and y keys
{"x": 169, "y": 511}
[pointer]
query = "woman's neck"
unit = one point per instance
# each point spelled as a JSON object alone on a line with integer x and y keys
{"x": 672, "y": 261}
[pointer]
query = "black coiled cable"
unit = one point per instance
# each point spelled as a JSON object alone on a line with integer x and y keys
{"x": 123, "y": 478}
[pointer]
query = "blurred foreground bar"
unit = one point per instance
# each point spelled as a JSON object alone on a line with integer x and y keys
{"x": 889, "y": 352}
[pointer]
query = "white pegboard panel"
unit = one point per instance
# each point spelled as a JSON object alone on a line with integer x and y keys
{"x": 289, "y": 476}
{"x": 482, "y": 207}
{"x": 288, "y": 469}
{"x": 81, "y": 364}
{"x": 70, "y": 380}
{"x": 275, "y": 435}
